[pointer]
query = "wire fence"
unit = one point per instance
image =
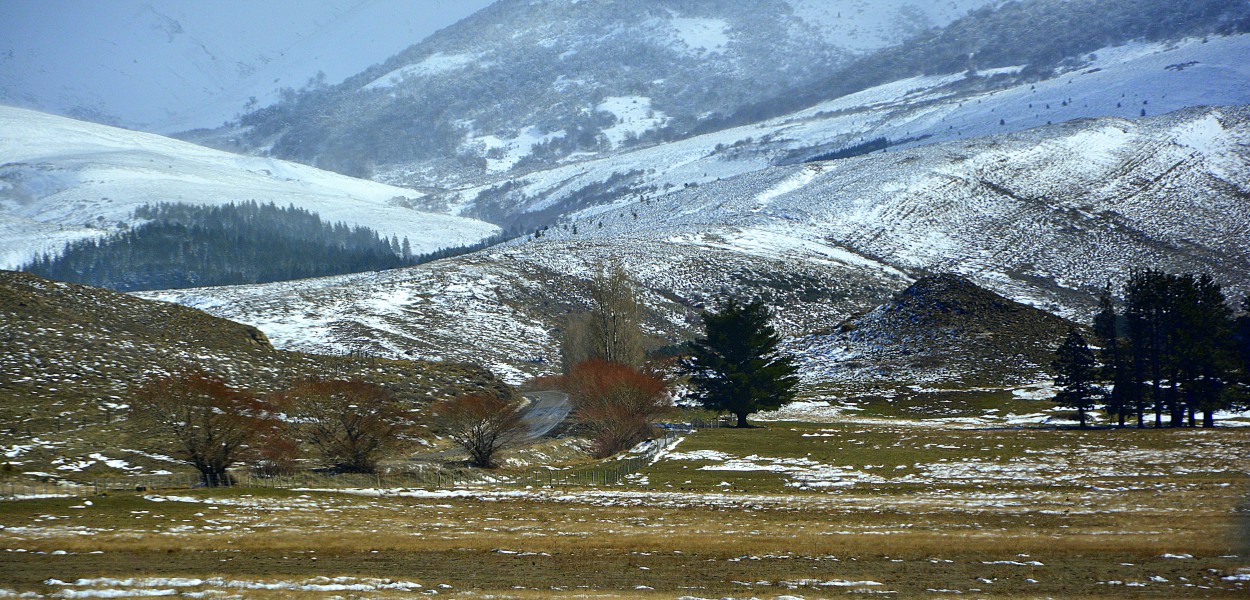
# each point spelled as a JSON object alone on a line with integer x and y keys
{"x": 605, "y": 473}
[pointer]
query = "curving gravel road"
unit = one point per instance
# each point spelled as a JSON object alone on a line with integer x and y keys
{"x": 545, "y": 412}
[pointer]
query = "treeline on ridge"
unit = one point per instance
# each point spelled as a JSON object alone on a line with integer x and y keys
{"x": 183, "y": 245}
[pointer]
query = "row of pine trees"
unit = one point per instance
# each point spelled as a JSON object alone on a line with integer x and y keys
{"x": 1173, "y": 349}
{"x": 184, "y": 245}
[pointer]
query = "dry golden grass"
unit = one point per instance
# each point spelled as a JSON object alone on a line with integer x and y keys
{"x": 1173, "y": 493}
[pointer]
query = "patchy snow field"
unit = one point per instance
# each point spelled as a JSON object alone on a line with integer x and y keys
{"x": 1043, "y": 217}
{"x": 803, "y": 510}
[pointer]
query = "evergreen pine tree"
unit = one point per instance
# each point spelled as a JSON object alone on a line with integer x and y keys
{"x": 1114, "y": 369}
{"x": 1147, "y": 316}
{"x": 1075, "y": 374}
{"x": 735, "y": 368}
{"x": 1243, "y": 337}
{"x": 1204, "y": 352}
{"x": 1242, "y": 352}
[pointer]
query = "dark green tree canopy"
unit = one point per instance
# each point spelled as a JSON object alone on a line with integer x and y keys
{"x": 185, "y": 245}
{"x": 1076, "y": 375}
{"x": 735, "y": 368}
{"x": 1177, "y": 353}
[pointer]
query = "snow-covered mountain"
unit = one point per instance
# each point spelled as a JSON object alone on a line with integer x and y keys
{"x": 168, "y": 66}
{"x": 588, "y": 98}
{"x": 1043, "y": 216}
{"x": 62, "y": 180}
{"x": 530, "y": 82}
{"x": 654, "y": 135}
{"x": 1129, "y": 82}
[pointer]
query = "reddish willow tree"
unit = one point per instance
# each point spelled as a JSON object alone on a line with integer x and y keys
{"x": 351, "y": 423}
{"x": 213, "y": 425}
{"x": 481, "y": 423}
{"x": 615, "y": 404}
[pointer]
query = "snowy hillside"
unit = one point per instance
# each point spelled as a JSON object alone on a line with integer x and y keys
{"x": 565, "y": 78}
{"x": 62, "y": 180}
{"x": 1043, "y": 217}
{"x": 1124, "y": 81}
{"x": 866, "y": 25}
{"x": 167, "y": 66}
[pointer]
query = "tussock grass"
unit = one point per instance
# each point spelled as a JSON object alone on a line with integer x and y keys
{"x": 1092, "y": 507}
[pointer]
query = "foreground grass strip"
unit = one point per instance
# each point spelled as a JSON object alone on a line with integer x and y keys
{"x": 981, "y": 513}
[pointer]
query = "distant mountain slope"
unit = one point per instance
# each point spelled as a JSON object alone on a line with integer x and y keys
{"x": 62, "y": 179}
{"x": 166, "y": 65}
{"x": 1042, "y": 217}
{"x": 525, "y": 83}
{"x": 1038, "y": 35}
{"x": 573, "y": 82}
{"x": 1130, "y": 81}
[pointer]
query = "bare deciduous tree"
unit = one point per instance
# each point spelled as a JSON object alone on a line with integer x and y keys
{"x": 351, "y": 423}
{"x": 213, "y": 425}
{"x": 481, "y": 423}
{"x": 611, "y": 330}
{"x": 615, "y": 404}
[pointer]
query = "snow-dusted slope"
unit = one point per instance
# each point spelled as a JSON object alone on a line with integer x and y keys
{"x": 865, "y": 25}
{"x": 1127, "y": 81}
{"x": 524, "y": 83}
{"x": 167, "y": 66}
{"x": 1042, "y": 216}
{"x": 62, "y": 179}
{"x": 504, "y": 307}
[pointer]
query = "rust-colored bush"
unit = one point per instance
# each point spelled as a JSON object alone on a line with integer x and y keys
{"x": 351, "y": 423}
{"x": 213, "y": 424}
{"x": 615, "y": 404}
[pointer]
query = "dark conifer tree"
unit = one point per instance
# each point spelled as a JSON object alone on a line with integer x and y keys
{"x": 1243, "y": 338}
{"x": 1076, "y": 375}
{"x": 1114, "y": 369}
{"x": 1204, "y": 347}
{"x": 1146, "y": 313}
{"x": 1181, "y": 346}
{"x": 735, "y": 368}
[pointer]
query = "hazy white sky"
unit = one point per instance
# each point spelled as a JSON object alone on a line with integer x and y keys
{"x": 171, "y": 65}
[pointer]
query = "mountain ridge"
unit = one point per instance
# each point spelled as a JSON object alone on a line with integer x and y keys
{"x": 1043, "y": 217}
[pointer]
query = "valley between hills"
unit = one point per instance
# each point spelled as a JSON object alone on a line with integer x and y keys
{"x": 987, "y": 265}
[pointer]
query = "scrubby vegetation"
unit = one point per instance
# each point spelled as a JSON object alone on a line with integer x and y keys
{"x": 481, "y": 424}
{"x": 615, "y": 405}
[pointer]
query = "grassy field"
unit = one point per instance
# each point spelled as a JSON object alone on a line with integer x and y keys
{"x": 903, "y": 508}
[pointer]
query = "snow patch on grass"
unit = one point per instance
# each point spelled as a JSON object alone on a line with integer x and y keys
{"x": 634, "y": 117}
{"x": 434, "y": 64}
{"x": 700, "y": 35}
